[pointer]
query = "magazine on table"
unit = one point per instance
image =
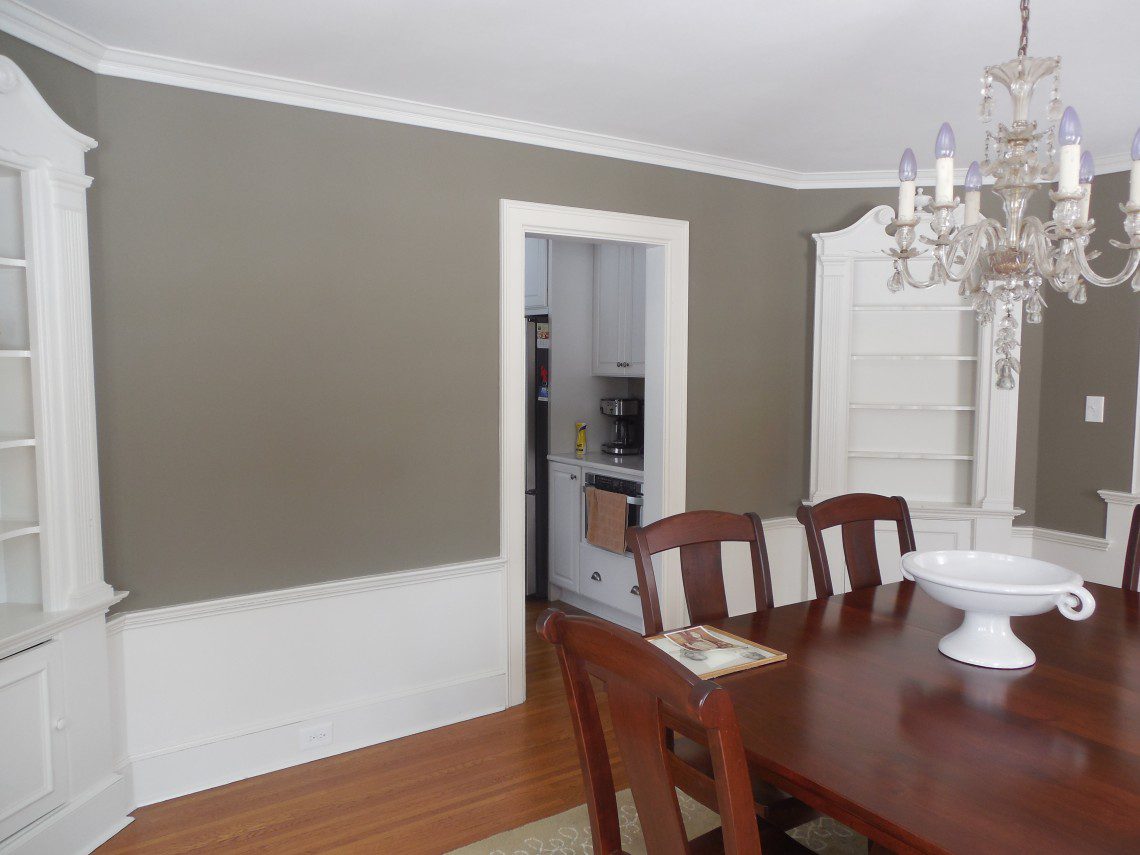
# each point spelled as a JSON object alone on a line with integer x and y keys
{"x": 709, "y": 652}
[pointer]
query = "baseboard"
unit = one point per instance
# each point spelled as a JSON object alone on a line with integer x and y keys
{"x": 81, "y": 825}
{"x": 183, "y": 770}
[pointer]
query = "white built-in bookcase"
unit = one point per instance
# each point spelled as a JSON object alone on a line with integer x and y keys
{"x": 903, "y": 400}
{"x": 20, "y": 564}
{"x": 50, "y": 545}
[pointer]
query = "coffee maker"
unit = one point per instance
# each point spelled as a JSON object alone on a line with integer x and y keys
{"x": 626, "y": 413}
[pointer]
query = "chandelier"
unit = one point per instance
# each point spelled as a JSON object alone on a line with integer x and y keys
{"x": 996, "y": 263}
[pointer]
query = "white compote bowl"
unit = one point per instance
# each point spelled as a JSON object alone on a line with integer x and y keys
{"x": 991, "y": 588}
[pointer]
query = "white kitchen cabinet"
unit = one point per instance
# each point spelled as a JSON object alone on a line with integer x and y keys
{"x": 619, "y": 311}
{"x": 564, "y": 521}
{"x": 537, "y": 289}
{"x": 32, "y": 738}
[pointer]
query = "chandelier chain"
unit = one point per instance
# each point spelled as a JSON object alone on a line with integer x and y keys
{"x": 1023, "y": 49}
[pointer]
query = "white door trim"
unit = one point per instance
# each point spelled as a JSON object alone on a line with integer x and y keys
{"x": 667, "y": 338}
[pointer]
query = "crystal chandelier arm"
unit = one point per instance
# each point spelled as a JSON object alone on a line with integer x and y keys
{"x": 1034, "y": 240}
{"x": 903, "y": 266}
{"x": 970, "y": 240}
{"x": 1089, "y": 275}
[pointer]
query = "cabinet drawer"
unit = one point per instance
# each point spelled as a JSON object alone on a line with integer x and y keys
{"x": 608, "y": 578}
{"x": 33, "y": 762}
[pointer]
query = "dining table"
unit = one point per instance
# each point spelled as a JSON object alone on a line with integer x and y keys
{"x": 868, "y": 723}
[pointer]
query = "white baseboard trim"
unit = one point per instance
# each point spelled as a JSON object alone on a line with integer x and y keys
{"x": 181, "y": 770}
{"x": 80, "y": 825}
{"x": 314, "y": 654}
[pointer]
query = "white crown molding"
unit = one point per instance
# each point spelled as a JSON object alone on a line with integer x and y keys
{"x": 64, "y": 41}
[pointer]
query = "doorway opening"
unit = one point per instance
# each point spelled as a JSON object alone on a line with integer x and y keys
{"x": 626, "y": 344}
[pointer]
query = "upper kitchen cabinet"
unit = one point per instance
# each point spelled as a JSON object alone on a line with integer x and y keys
{"x": 537, "y": 275}
{"x": 619, "y": 311}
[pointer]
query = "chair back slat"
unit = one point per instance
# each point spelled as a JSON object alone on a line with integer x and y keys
{"x": 861, "y": 555}
{"x": 641, "y": 682}
{"x": 698, "y": 536}
{"x": 1131, "y": 580}
{"x": 856, "y": 514}
{"x": 640, "y": 733}
{"x": 702, "y": 576}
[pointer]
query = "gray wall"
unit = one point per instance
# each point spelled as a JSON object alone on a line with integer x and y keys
{"x": 1089, "y": 350}
{"x": 296, "y": 335}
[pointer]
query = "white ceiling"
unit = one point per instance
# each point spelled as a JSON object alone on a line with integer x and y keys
{"x": 812, "y": 86}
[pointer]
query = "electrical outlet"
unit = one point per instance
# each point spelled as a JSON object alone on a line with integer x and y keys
{"x": 1094, "y": 408}
{"x": 316, "y": 735}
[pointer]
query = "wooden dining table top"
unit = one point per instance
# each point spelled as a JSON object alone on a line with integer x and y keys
{"x": 869, "y": 723}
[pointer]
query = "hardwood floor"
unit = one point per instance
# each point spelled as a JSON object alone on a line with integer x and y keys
{"x": 427, "y": 793}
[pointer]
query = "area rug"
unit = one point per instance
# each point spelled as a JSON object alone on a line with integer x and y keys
{"x": 568, "y": 833}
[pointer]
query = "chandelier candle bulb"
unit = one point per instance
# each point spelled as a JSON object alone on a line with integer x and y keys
{"x": 1088, "y": 170}
{"x": 944, "y": 165}
{"x": 908, "y": 172}
{"x": 1069, "y": 138}
{"x": 973, "y": 189}
{"x": 1134, "y": 187}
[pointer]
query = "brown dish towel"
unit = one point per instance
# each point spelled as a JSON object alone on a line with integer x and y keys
{"x": 606, "y": 513}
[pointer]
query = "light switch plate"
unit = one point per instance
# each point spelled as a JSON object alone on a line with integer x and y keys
{"x": 1094, "y": 408}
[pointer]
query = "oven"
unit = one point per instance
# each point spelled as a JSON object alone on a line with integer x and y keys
{"x": 630, "y": 489}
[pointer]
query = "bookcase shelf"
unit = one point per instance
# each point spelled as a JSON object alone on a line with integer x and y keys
{"x": 920, "y": 357}
{"x": 12, "y": 262}
{"x": 908, "y": 455}
{"x": 10, "y": 529}
{"x": 963, "y": 408}
{"x": 874, "y": 308}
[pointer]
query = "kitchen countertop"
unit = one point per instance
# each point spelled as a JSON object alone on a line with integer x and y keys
{"x": 634, "y": 466}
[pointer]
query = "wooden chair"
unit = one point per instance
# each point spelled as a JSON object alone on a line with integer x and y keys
{"x": 857, "y": 514}
{"x": 1132, "y": 554}
{"x": 699, "y": 535}
{"x": 642, "y": 682}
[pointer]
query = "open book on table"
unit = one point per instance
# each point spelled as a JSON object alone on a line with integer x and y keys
{"x": 709, "y": 652}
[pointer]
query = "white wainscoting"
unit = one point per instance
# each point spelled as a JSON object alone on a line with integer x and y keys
{"x": 214, "y": 692}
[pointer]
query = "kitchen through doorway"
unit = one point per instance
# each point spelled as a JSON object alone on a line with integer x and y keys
{"x": 594, "y": 333}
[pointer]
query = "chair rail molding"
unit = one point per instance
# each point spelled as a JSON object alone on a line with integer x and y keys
{"x": 902, "y": 395}
{"x": 666, "y": 378}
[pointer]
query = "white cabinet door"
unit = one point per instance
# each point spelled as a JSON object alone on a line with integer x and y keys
{"x": 537, "y": 274}
{"x": 565, "y": 516}
{"x": 635, "y": 317}
{"x": 33, "y": 761}
{"x": 619, "y": 311}
{"x": 611, "y": 263}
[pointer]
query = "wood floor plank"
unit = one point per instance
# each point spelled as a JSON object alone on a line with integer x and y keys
{"x": 421, "y": 795}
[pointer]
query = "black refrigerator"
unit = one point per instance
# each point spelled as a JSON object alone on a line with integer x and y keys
{"x": 537, "y": 447}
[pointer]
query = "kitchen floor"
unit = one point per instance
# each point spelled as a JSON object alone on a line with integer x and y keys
{"x": 427, "y": 793}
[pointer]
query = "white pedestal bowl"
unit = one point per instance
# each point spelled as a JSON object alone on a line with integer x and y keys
{"x": 991, "y": 588}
